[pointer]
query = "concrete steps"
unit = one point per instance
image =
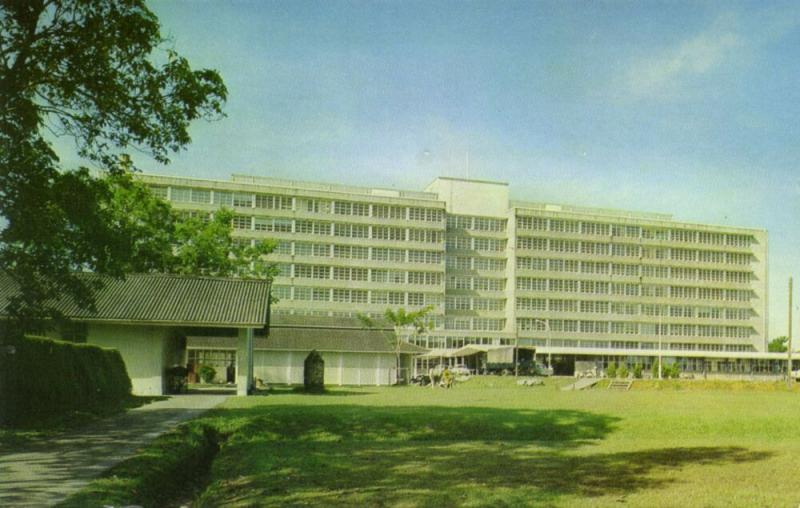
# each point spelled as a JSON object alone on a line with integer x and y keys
{"x": 620, "y": 385}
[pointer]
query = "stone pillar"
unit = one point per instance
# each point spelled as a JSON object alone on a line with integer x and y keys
{"x": 244, "y": 361}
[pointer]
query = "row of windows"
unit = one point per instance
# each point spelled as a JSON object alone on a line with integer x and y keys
{"x": 305, "y": 271}
{"x": 631, "y": 270}
{"x": 474, "y": 323}
{"x": 344, "y": 295}
{"x": 632, "y": 328}
{"x": 397, "y": 234}
{"x": 276, "y": 202}
{"x": 473, "y": 263}
{"x": 632, "y": 289}
{"x": 474, "y": 303}
{"x": 327, "y": 250}
{"x": 470, "y": 243}
{"x": 620, "y": 230}
{"x": 631, "y": 250}
{"x": 625, "y": 308}
{"x": 475, "y": 223}
{"x": 455, "y": 342}
{"x": 475, "y": 283}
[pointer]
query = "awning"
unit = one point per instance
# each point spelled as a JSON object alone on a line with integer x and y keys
{"x": 473, "y": 349}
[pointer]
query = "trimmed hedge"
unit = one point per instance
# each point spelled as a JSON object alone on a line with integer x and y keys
{"x": 167, "y": 469}
{"x": 46, "y": 377}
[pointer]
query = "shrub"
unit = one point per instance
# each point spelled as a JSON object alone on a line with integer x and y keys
{"x": 48, "y": 377}
{"x": 207, "y": 373}
{"x": 673, "y": 371}
{"x": 654, "y": 369}
{"x": 611, "y": 370}
{"x": 637, "y": 371}
{"x": 622, "y": 371}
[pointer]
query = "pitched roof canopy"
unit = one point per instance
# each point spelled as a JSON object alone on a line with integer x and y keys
{"x": 305, "y": 333}
{"x": 166, "y": 300}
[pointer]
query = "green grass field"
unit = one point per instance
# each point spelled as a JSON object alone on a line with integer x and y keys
{"x": 488, "y": 442}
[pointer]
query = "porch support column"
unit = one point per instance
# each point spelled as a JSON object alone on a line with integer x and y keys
{"x": 244, "y": 362}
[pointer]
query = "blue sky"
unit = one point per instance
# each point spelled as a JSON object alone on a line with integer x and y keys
{"x": 688, "y": 108}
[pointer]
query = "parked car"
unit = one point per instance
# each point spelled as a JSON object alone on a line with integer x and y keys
{"x": 460, "y": 370}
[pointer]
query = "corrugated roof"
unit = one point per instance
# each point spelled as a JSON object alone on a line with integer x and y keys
{"x": 167, "y": 299}
{"x": 283, "y": 338}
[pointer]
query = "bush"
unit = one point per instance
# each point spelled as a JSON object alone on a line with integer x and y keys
{"x": 654, "y": 369}
{"x": 46, "y": 377}
{"x": 611, "y": 370}
{"x": 207, "y": 373}
{"x": 622, "y": 371}
{"x": 637, "y": 371}
{"x": 673, "y": 371}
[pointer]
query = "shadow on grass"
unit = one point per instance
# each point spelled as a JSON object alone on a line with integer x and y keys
{"x": 45, "y": 425}
{"x": 299, "y": 390}
{"x": 369, "y": 423}
{"x": 433, "y": 456}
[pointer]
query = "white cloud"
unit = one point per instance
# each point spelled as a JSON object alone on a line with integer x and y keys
{"x": 666, "y": 72}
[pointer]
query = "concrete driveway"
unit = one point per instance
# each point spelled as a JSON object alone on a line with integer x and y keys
{"x": 44, "y": 473}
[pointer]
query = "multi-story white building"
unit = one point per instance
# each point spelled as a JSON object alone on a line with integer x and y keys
{"x": 571, "y": 282}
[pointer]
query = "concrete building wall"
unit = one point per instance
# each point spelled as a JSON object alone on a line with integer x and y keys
{"x": 146, "y": 351}
{"x": 355, "y": 369}
{"x": 490, "y": 284}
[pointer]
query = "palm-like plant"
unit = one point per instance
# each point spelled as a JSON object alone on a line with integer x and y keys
{"x": 405, "y": 324}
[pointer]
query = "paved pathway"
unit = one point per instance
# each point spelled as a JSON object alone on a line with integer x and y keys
{"x": 42, "y": 474}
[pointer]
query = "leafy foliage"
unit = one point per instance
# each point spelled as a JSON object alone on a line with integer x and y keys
{"x": 622, "y": 372}
{"x": 95, "y": 72}
{"x": 778, "y": 345}
{"x": 611, "y": 370}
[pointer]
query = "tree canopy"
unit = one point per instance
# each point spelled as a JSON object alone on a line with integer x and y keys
{"x": 100, "y": 73}
{"x": 778, "y": 345}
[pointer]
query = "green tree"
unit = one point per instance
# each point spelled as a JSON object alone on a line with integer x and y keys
{"x": 207, "y": 247}
{"x": 623, "y": 371}
{"x": 611, "y": 370}
{"x": 97, "y": 72}
{"x": 778, "y": 345}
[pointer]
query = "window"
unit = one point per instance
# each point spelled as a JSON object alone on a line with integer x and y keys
{"x": 531, "y": 284}
{"x": 416, "y": 299}
{"x": 270, "y": 224}
{"x": 532, "y": 223}
{"x": 531, "y": 263}
{"x": 241, "y": 222}
{"x": 242, "y": 199}
{"x": 181, "y": 194}
{"x": 379, "y": 297}
{"x": 158, "y": 191}
{"x": 426, "y": 278}
{"x": 531, "y": 243}
{"x": 564, "y": 305}
{"x": 490, "y": 264}
{"x": 273, "y": 202}
{"x": 388, "y": 212}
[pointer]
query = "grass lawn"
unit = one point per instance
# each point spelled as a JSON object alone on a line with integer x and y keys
{"x": 488, "y": 442}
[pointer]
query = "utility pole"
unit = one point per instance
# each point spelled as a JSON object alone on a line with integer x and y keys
{"x": 789, "y": 341}
{"x": 660, "y": 345}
